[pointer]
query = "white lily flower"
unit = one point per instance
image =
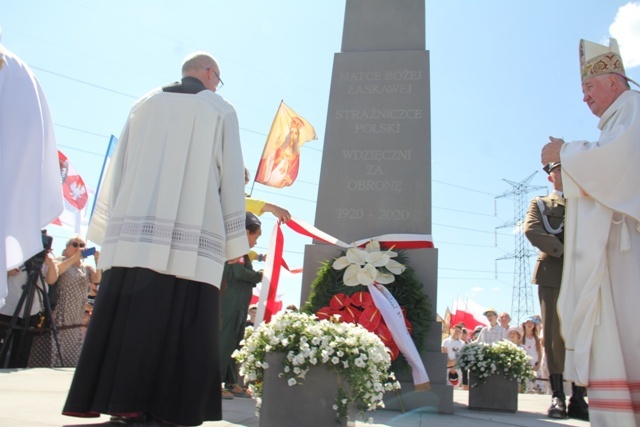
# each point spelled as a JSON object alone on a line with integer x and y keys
{"x": 385, "y": 278}
{"x": 363, "y": 265}
{"x": 367, "y": 275}
{"x": 395, "y": 267}
{"x": 378, "y": 259}
{"x": 373, "y": 246}
{"x": 341, "y": 263}
{"x": 357, "y": 256}
{"x": 350, "y": 277}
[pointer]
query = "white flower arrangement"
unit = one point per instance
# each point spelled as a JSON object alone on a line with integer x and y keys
{"x": 306, "y": 342}
{"x": 369, "y": 265}
{"x": 483, "y": 360}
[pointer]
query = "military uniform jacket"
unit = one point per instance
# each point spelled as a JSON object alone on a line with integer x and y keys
{"x": 544, "y": 229}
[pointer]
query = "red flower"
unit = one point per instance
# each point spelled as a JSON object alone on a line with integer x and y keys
{"x": 370, "y": 319}
{"x": 339, "y": 301}
{"x": 325, "y": 313}
{"x": 352, "y": 313}
{"x": 368, "y": 316}
{"x": 362, "y": 299}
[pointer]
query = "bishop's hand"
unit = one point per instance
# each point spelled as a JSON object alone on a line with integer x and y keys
{"x": 551, "y": 151}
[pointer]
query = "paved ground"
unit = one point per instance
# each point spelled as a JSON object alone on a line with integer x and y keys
{"x": 34, "y": 398}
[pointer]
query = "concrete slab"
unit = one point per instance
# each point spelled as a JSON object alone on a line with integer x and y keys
{"x": 34, "y": 398}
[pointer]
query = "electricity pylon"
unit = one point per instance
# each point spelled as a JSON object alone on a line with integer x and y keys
{"x": 522, "y": 296}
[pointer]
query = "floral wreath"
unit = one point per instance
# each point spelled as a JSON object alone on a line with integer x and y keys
{"x": 340, "y": 289}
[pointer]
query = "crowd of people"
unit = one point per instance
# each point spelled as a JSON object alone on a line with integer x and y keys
{"x": 528, "y": 335}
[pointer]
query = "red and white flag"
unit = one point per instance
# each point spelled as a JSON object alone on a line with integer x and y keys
{"x": 73, "y": 188}
{"x": 75, "y": 216}
{"x": 467, "y": 312}
{"x": 74, "y": 220}
{"x": 280, "y": 160}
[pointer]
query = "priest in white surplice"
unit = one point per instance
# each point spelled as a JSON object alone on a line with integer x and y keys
{"x": 30, "y": 184}
{"x": 170, "y": 213}
{"x": 599, "y": 300}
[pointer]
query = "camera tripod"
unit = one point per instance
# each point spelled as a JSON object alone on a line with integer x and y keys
{"x": 14, "y": 335}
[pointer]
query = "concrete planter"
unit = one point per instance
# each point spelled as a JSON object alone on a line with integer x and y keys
{"x": 306, "y": 405}
{"x": 496, "y": 393}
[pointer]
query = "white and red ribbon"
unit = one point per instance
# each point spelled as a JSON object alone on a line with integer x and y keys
{"x": 392, "y": 315}
{"x": 398, "y": 241}
{"x": 270, "y": 276}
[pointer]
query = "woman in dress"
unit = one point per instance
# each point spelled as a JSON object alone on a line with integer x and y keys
{"x": 74, "y": 279}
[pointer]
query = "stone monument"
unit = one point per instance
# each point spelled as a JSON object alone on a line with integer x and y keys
{"x": 376, "y": 166}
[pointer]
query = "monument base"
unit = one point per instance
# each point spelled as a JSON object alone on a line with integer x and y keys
{"x": 313, "y": 400}
{"x": 425, "y": 263}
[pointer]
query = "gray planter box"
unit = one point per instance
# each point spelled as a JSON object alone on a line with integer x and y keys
{"x": 306, "y": 405}
{"x": 496, "y": 393}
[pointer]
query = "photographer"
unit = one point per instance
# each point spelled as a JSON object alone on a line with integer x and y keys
{"x": 75, "y": 277}
{"x": 21, "y": 339}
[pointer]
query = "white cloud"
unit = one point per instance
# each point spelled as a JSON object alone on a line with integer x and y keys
{"x": 626, "y": 29}
{"x": 476, "y": 290}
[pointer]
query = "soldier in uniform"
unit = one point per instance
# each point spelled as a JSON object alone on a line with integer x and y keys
{"x": 544, "y": 227}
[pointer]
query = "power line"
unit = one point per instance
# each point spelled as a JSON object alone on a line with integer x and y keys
{"x": 465, "y": 244}
{"x": 173, "y": 39}
{"x": 473, "y": 271}
{"x": 461, "y": 211}
{"x": 469, "y": 229}
{"x": 96, "y": 86}
{"x": 463, "y": 188}
{"x": 82, "y": 131}
{"x": 101, "y": 155}
{"x": 83, "y": 82}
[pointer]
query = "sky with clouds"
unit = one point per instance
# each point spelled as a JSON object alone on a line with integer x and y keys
{"x": 626, "y": 29}
{"x": 504, "y": 76}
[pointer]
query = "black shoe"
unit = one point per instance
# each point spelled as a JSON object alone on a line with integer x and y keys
{"x": 157, "y": 422}
{"x": 557, "y": 408}
{"x": 578, "y": 409}
{"x": 122, "y": 420}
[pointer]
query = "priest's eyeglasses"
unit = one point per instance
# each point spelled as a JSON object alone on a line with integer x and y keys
{"x": 220, "y": 82}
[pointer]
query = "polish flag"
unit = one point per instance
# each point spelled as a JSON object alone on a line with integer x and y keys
{"x": 76, "y": 212}
{"x": 74, "y": 220}
{"x": 469, "y": 313}
{"x": 73, "y": 188}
